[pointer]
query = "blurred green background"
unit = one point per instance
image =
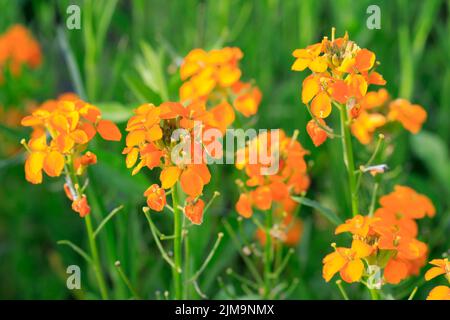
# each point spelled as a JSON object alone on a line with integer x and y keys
{"x": 122, "y": 42}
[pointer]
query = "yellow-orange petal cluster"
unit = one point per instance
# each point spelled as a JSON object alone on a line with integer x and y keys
{"x": 214, "y": 77}
{"x": 377, "y": 110}
{"x": 163, "y": 136}
{"x": 341, "y": 72}
{"x": 391, "y": 235}
{"x": 271, "y": 181}
{"x": 18, "y": 48}
{"x": 440, "y": 267}
{"x": 411, "y": 116}
{"x": 62, "y": 129}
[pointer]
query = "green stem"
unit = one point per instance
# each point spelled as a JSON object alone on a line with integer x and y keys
{"x": 177, "y": 252}
{"x": 95, "y": 258}
{"x": 126, "y": 280}
{"x": 342, "y": 290}
{"x": 374, "y": 294}
{"x": 91, "y": 237}
{"x": 348, "y": 158}
{"x": 267, "y": 255}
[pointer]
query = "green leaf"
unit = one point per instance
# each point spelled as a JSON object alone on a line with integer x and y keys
{"x": 77, "y": 249}
{"x": 114, "y": 111}
{"x": 431, "y": 149}
{"x": 327, "y": 213}
{"x": 106, "y": 219}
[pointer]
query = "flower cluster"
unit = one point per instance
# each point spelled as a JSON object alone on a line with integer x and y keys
{"x": 377, "y": 110}
{"x": 62, "y": 129}
{"x": 18, "y": 48}
{"x": 441, "y": 267}
{"x": 274, "y": 191}
{"x": 387, "y": 240}
{"x": 213, "y": 77}
{"x": 341, "y": 73}
{"x": 151, "y": 142}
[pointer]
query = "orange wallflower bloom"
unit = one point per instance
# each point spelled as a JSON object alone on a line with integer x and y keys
{"x": 441, "y": 267}
{"x": 364, "y": 126}
{"x": 315, "y": 132}
{"x": 214, "y": 77}
{"x": 347, "y": 261}
{"x": 244, "y": 205}
{"x": 193, "y": 210}
{"x": 18, "y": 48}
{"x": 407, "y": 202}
{"x": 150, "y": 144}
{"x": 391, "y": 233}
{"x": 358, "y": 225}
{"x": 267, "y": 190}
{"x": 342, "y": 72}
{"x": 81, "y": 206}
{"x": 156, "y": 197}
{"x": 411, "y": 116}
{"x": 375, "y": 99}
{"x": 61, "y": 131}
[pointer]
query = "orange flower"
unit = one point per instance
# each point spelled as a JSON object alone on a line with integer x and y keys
{"x": 42, "y": 157}
{"x": 156, "y": 197}
{"x": 341, "y": 75}
{"x": 391, "y": 234}
{"x": 18, "y": 48}
{"x": 389, "y": 219}
{"x": 81, "y": 206}
{"x": 395, "y": 271}
{"x": 244, "y": 206}
{"x": 275, "y": 189}
{"x": 315, "y": 132}
{"x": 213, "y": 77}
{"x": 407, "y": 202}
{"x": 411, "y": 116}
{"x": 365, "y": 125}
{"x": 193, "y": 210}
{"x": 375, "y": 99}
{"x": 85, "y": 160}
{"x": 441, "y": 266}
{"x": 248, "y": 98}
{"x": 61, "y": 131}
{"x": 310, "y": 58}
{"x": 358, "y": 225}
{"x": 347, "y": 261}
{"x": 151, "y": 143}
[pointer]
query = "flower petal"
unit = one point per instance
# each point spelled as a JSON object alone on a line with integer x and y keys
{"x": 108, "y": 130}
{"x": 169, "y": 176}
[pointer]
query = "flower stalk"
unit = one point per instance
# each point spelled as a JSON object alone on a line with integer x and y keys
{"x": 91, "y": 237}
{"x": 348, "y": 158}
{"x": 177, "y": 245}
{"x": 268, "y": 255}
